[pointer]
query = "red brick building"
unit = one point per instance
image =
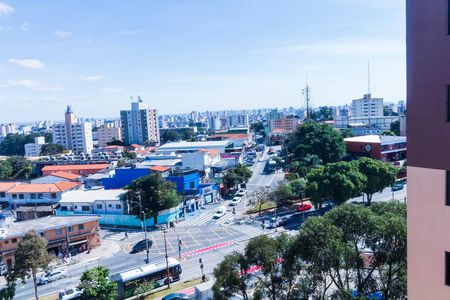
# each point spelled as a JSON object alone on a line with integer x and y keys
{"x": 385, "y": 148}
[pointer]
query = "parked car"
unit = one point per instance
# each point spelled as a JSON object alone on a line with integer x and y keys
{"x": 141, "y": 246}
{"x": 221, "y": 211}
{"x": 52, "y": 275}
{"x": 241, "y": 193}
{"x": 176, "y": 296}
{"x": 273, "y": 223}
{"x": 70, "y": 293}
{"x": 304, "y": 207}
{"x": 235, "y": 201}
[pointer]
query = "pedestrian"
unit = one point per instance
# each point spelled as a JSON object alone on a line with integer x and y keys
{"x": 126, "y": 235}
{"x": 204, "y": 278}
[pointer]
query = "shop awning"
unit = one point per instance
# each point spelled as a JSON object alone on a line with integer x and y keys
{"x": 78, "y": 243}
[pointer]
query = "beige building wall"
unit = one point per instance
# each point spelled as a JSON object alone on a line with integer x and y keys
{"x": 428, "y": 234}
{"x": 108, "y": 134}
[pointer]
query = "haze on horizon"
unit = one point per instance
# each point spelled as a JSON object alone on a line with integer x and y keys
{"x": 181, "y": 56}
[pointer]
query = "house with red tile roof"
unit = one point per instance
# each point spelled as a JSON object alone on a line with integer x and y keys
{"x": 83, "y": 170}
{"x": 38, "y": 193}
{"x": 57, "y": 177}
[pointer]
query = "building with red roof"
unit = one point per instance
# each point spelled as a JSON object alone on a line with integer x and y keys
{"x": 83, "y": 170}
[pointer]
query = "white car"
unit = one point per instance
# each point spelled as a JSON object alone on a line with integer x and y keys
{"x": 235, "y": 201}
{"x": 70, "y": 293}
{"x": 52, "y": 276}
{"x": 241, "y": 193}
{"x": 221, "y": 211}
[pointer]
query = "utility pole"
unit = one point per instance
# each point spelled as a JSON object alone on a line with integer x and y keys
{"x": 167, "y": 259}
{"x": 145, "y": 227}
{"x": 307, "y": 94}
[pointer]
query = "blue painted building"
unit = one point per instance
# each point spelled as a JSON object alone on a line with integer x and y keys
{"x": 125, "y": 176}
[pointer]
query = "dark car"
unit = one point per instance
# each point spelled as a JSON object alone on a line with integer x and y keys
{"x": 176, "y": 296}
{"x": 397, "y": 187}
{"x": 141, "y": 246}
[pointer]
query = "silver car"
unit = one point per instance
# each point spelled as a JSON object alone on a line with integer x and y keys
{"x": 52, "y": 276}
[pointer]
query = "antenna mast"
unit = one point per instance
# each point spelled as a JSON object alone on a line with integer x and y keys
{"x": 307, "y": 94}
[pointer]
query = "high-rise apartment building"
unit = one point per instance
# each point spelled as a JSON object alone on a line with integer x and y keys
{"x": 428, "y": 122}
{"x": 237, "y": 121}
{"x": 108, "y": 133}
{"x": 367, "y": 107}
{"x": 73, "y": 135}
{"x": 6, "y": 129}
{"x": 140, "y": 124}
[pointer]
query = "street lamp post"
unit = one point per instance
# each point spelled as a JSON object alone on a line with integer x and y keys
{"x": 201, "y": 267}
{"x": 145, "y": 228}
{"x": 167, "y": 259}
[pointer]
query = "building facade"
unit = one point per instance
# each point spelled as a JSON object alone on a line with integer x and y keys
{"x": 428, "y": 90}
{"x": 73, "y": 135}
{"x": 106, "y": 134}
{"x": 140, "y": 124}
{"x": 367, "y": 107}
{"x": 34, "y": 149}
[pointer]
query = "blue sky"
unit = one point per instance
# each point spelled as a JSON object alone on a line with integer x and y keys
{"x": 184, "y": 55}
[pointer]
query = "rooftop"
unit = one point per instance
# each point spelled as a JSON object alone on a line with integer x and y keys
{"x": 56, "y": 168}
{"x": 230, "y": 136}
{"x": 193, "y": 145}
{"x": 92, "y": 195}
{"x": 42, "y": 224}
{"x": 43, "y": 187}
{"x": 66, "y": 175}
{"x": 5, "y": 186}
{"x": 380, "y": 139}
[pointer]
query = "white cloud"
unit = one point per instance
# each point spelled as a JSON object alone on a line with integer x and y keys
{"x": 27, "y": 83}
{"x": 5, "y": 9}
{"x": 63, "y": 34}
{"x": 24, "y": 26}
{"x": 91, "y": 78}
{"x": 132, "y": 32}
{"x": 32, "y": 84}
{"x": 112, "y": 90}
{"x": 27, "y": 63}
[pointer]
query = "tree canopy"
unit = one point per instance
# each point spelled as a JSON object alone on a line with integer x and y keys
{"x": 339, "y": 181}
{"x": 395, "y": 127}
{"x": 379, "y": 175}
{"x": 31, "y": 256}
{"x": 52, "y": 149}
{"x": 15, "y": 167}
{"x": 315, "y": 139}
{"x": 238, "y": 175}
{"x": 154, "y": 193}
{"x": 96, "y": 284}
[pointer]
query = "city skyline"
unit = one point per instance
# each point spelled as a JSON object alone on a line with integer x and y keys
{"x": 181, "y": 57}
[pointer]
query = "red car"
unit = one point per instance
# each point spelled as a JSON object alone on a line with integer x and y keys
{"x": 304, "y": 207}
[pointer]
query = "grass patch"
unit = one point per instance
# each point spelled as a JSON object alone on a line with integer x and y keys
{"x": 174, "y": 287}
{"x": 265, "y": 205}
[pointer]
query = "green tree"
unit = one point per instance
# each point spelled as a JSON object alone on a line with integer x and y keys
{"x": 52, "y": 149}
{"x": 231, "y": 277}
{"x": 21, "y": 166}
{"x": 238, "y": 175}
{"x": 324, "y": 113}
{"x": 339, "y": 181}
{"x": 96, "y": 284}
{"x": 282, "y": 194}
{"x": 129, "y": 155}
{"x": 6, "y": 170}
{"x": 388, "y": 133}
{"x": 315, "y": 139}
{"x": 297, "y": 186}
{"x": 346, "y": 133}
{"x": 170, "y": 136}
{"x": 14, "y": 144}
{"x": 30, "y": 257}
{"x": 395, "y": 127}
{"x": 306, "y": 164}
{"x": 115, "y": 143}
{"x": 261, "y": 196}
{"x": 151, "y": 194}
{"x": 144, "y": 288}
{"x": 379, "y": 175}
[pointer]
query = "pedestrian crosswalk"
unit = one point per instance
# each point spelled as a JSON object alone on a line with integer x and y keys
{"x": 121, "y": 236}
{"x": 207, "y": 218}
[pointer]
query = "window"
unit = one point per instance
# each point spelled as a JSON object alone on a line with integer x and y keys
{"x": 85, "y": 208}
{"x": 64, "y": 208}
{"x": 99, "y": 206}
{"x": 14, "y": 196}
{"x": 41, "y": 233}
{"x": 191, "y": 185}
{"x": 110, "y": 205}
{"x": 70, "y": 228}
{"x": 58, "y": 231}
{"x": 6, "y": 242}
{"x": 40, "y": 196}
{"x": 81, "y": 227}
{"x": 447, "y": 268}
{"x": 33, "y": 196}
{"x": 53, "y": 195}
{"x": 447, "y": 188}
{"x": 21, "y": 196}
{"x": 118, "y": 206}
{"x": 2, "y": 195}
{"x": 14, "y": 240}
